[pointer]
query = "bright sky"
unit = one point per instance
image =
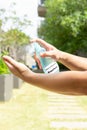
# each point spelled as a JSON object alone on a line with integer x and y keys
{"x": 28, "y": 7}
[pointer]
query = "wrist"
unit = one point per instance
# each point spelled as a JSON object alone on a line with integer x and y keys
{"x": 61, "y": 56}
{"x": 29, "y": 77}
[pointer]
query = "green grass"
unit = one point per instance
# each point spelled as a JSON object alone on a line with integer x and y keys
{"x": 27, "y": 110}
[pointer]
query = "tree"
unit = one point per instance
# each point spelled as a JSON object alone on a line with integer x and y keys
{"x": 13, "y": 37}
{"x": 65, "y": 25}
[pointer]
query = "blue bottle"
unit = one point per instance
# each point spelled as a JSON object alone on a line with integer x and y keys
{"x": 49, "y": 65}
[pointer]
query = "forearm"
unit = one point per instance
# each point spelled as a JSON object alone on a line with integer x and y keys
{"x": 69, "y": 83}
{"x": 73, "y": 62}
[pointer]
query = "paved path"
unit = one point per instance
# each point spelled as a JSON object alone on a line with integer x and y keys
{"x": 65, "y": 112}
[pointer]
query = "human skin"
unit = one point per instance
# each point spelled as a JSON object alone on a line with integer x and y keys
{"x": 72, "y": 82}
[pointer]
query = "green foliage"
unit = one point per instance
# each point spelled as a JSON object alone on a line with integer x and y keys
{"x": 65, "y": 25}
{"x": 3, "y": 67}
{"x": 16, "y": 37}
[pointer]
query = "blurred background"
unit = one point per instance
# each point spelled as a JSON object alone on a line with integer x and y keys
{"x": 62, "y": 23}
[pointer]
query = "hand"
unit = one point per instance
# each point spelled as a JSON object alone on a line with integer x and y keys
{"x": 17, "y": 68}
{"x": 51, "y": 50}
{"x": 38, "y": 61}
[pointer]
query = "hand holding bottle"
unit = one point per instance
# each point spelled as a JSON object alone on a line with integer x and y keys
{"x": 49, "y": 65}
{"x": 51, "y": 51}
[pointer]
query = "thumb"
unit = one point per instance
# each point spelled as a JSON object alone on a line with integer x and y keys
{"x": 47, "y": 54}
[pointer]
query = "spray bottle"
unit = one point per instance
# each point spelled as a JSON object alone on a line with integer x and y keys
{"x": 49, "y": 65}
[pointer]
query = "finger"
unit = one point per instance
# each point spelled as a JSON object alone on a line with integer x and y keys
{"x": 12, "y": 63}
{"x": 47, "y": 54}
{"x": 38, "y": 61}
{"x": 43, "y": 43}
{"x": 39, "y": 64}
{"x": 9, "y": 65}
{"x": 12, "y": 69}
{"x": 10, "y": 60}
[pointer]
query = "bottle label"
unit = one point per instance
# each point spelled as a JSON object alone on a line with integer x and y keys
{"x": 51, "y": 68}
